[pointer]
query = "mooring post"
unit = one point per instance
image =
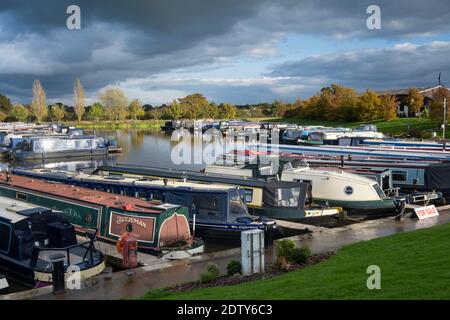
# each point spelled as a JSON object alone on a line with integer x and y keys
{"x": 58, "y": 282}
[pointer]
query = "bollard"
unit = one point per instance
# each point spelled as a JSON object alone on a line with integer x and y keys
{"x": 58, "y": 281}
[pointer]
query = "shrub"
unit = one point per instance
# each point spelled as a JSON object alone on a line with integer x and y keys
{"x": 300, "y": 255}
{"x": 234, "y": 267}
{"x": 212, "y": 273}
{"x": 284, "y": 248}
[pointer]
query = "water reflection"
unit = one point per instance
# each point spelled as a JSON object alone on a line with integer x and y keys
{"x": 146, "y": 147}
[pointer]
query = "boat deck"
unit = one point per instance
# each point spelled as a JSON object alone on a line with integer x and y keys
{"x": 83, "y": 194}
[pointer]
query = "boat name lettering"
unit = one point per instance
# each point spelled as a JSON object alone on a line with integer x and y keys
{"x": 122, "y": 219}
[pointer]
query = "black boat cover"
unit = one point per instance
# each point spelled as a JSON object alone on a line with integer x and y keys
{"x": 437, "y": 177}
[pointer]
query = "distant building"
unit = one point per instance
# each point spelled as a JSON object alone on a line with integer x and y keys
{"x": 402, "y": 94}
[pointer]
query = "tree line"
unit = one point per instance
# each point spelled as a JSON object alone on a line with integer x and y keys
{"x": 112, "y": 104}
{"x": 332, "y": 103}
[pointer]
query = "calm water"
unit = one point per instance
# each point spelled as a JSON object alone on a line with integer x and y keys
{"x": 143, "y": 147}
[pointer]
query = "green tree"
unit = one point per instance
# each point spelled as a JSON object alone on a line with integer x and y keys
{"x": 136, "y": 109}
{"x": 173, "y": 111}
{"x": 96, "y": 111}
{"x": 414, "y": 100}
{"x": 194, "y": 105}
{"x": 39, "y": 106}
{"x": 227, "y": 111}
{"x": 57, "y": 113}
{"x": 115, "y": 102}
{"x": 5, "y": 104}
{"x": 19, "y": 113}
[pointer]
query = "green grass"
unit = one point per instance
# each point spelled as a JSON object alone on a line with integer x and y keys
{"x": 394, "y": 127}
{"x": 414, "y": 265}
{"x": 128, "y": 124}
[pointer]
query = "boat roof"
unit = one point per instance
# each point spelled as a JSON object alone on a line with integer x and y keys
{"x": 83, "y": 194}
{"x": 9, "y": 209}
{"x": 137, "y": 181}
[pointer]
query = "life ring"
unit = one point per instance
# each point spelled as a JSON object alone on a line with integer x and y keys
{"x": 119, "y": 246}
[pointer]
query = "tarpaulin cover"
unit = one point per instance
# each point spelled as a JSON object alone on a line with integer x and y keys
{"x": 437, "y": 177}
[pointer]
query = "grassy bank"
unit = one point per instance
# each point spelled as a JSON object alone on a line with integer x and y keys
{"x": 129, "y": 124}
{"x": 414, "y": 265}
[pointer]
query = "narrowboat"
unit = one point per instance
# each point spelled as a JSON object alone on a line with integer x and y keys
{"x": 359, "y": 196}
{"x": 289, "y": 200}
{"x": 332, "y": 136}
{"x": 161, "y": 228}
{"x": 30, "y": 235}
{"x": 39, "y": 147}
{"x": 219, "y": 210}
{"x": 409, "y": 176}
{"x": 329, "y": 150}
{"x": 412, "y": 144}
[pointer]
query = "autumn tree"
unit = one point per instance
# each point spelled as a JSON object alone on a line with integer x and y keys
{"x": 388, "y": 105}
{"x": 38, "y": 105}
{"x": 414, "y": 100}
{"x": 19, "y": 113}
{"x": 193, "y": 105}
{"x": 437, "y": 104}
{"x": 368, "y": 106}
{"x": 136, "y": 109}
{"x": 79, "y": 99}
{"x": 227, "y": 111}
{"x": 57, "y": 112}
{"x": 115, "y": 102}
{"x": 173, "y": 111}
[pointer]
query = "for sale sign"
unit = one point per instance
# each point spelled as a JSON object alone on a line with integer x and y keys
{"x": 426, "y": 212}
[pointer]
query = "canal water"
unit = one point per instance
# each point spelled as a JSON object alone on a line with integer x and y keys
{"x": 145, "y": 147}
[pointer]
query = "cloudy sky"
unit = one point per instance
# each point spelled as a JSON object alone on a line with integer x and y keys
{"x": 238, "y": 51}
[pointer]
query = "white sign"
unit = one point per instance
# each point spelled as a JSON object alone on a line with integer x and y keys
{"x": 426, "y": 212}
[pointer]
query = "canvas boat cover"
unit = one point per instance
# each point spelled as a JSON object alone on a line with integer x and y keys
{"x": 272, "y": 196}
{"x": 437, "y": 177}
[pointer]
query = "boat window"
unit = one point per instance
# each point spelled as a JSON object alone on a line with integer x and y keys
{"x": 379, "y": 191}
{"x": 21, "y": 196}
{"x": 287, "y": 197}
{"x": 206, "y": 206}
{"x": 156, "y": 196}
{"x": 5, "y": 234}
{"x": 24, "y": 145}
{"x": 248, "y": 195}
{"x": 238, "y": 208}
{"x": 400, "y": 176}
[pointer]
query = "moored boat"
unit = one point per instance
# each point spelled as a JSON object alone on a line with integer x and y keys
{"x": 219, "y": 209}
{"x": 31, "y": 235}
{"x": 39, "y": 147}
{"x": 290, "y": 200}
{"x": 161, "y": 227}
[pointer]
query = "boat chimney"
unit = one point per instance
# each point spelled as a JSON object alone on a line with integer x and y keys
{"x": 165, "y": 181}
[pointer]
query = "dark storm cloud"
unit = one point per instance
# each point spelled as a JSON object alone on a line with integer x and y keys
{"x": 125, "y": 39}
{"x": 399, "y": 66}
